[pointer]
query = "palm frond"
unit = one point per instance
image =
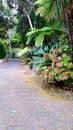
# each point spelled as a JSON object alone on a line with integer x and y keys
{"x": 51, "y": 8}
{"x": 39, "y": 40}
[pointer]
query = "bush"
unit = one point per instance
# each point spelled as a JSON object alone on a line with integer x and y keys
{"x": 15, "y": 52}
{"x": 61, "y": 68}
{"x": 2, "y": 50}
{"x": 35, "y": 55}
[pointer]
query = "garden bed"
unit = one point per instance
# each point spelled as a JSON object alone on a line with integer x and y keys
{"x": 33, "y": 77}
{"x": 46, "y": 85}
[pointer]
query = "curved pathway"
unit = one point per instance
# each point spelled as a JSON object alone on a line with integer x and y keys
{"x": 23, "y": 106}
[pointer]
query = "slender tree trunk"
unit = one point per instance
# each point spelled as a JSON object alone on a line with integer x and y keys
{"x": 69, "y": 32}
{"x": 29, "y": 19}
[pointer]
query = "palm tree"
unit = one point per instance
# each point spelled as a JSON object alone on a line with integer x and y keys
{"x": 53, "y": 9}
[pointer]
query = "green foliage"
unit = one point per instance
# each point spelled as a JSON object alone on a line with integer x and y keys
{"x": 39, "y": 34}
{"x": 36, "y": 56}
{"x": 39, "y": 39}
{"x": 5, "y": 21}
{"x": 22, "y": 52}
{"x": 16, "y": 38}
{"x": 61, "y": 68}
{"x": 39, "y": 21}
{"x": 15, "y": 52}
{"x": 51, "y": 8}
{"x": 22, "y": 28}
{"x": 2, "y": 50}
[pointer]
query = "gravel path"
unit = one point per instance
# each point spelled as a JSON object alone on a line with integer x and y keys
{"x": 23, "y": 107}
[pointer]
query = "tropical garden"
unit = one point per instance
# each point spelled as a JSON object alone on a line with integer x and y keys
{"x": 40, "y": 33}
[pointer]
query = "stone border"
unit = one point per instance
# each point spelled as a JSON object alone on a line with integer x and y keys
{"x": 3, "y": 60}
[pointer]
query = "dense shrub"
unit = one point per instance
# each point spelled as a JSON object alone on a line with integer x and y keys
{"x": 2, "y": 50}
{"x": 61, "y": 68}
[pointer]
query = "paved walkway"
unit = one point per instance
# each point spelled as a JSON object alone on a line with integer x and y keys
{"x": 23, "y": 106}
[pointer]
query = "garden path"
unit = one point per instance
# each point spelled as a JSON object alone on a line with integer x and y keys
{"x": 26, "y": 106}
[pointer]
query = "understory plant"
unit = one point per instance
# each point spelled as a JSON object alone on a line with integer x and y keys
{"x": 34, "y": 56}
{"x": 61, "y": 68}
{"x": 50, "y": 33}
{"x": 3, "y": 50}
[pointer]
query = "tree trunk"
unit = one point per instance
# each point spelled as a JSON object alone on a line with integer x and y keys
{"x": 29, "y": 19}
{"x": 68, "y": 22}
